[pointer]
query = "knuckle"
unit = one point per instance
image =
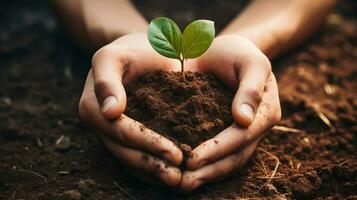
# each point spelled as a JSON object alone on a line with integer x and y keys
{"x": 255, "y": 93}
{"x": 122, "y": 130}
{"x": 100, "y": 84}
{"x": 248, "y": 138}
{"x": 103, "y": 52}
{"x": 266, "y": 63}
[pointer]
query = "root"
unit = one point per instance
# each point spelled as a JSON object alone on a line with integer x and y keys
{"x": 275, "y": 168}
{"x": 33, "y": 173}
{"x": 262, "y": 167}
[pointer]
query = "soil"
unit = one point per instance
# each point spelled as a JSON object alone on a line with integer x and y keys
{"x": 187, "y": 112}
{"x": 46, "y": 152}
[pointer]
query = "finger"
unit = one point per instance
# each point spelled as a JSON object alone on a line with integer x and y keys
{"x": 126, "y": 130}
{"x": 143, "y": 162}
{"x": 242, "y": 66}
{"x": 253, "y": 74}
{"x": 136, "y": 134}
{"x": 236, "y": 137}
{"x": 108, "y": 68}
{"x": 217, "y": 170}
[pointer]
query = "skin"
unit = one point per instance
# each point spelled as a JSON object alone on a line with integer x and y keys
{"x": 137, "y": 147}
{"x": 122, "y": 61}
{"x": 245, "y": 69}
{"x": 238, "y": 57}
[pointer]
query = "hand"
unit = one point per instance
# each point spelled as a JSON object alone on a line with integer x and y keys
{"x": 255, "y": 109}
{"x": 152, "y": 157}
{"x": 92, "y": 24}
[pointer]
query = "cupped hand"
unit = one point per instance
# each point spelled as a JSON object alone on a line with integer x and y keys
{"x": 149, "y": 155}
{"x": 255, "y": 109}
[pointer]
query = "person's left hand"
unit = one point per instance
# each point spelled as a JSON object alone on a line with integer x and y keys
{"x": 255, "y": 109}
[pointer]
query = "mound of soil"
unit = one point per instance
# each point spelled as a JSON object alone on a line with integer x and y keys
{"x": 187, "y": 112}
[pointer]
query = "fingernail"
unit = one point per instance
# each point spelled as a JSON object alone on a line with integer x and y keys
{"x": 108, "y": 103}
{"x": 247, "y": 111}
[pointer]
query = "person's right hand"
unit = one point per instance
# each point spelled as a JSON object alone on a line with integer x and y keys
{"x": 149, "y": 155}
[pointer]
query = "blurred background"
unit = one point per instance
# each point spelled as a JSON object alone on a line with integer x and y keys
{"x": 42, "y": 75}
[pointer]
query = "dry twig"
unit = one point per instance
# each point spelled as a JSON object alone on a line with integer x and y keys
{"x": 286, "y": 129}
{"x": 124, "y": 191}
{"x": 321, "y": 115}
{"x": 33, "y": 173}
{"x": 343, "y": 163}
{"x": 275, "y": 168}
{"x": 13, "y": 194}
{"x": 324, "y": 119}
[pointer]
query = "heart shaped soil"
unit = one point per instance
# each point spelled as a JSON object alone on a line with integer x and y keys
{"x": 187, "y": 112}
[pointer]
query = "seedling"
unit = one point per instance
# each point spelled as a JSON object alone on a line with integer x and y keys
{"x": 166, "y": 38}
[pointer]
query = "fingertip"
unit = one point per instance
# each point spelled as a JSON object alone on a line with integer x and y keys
{"x": 193, "y": 162}
{"x": 174, "y": 156}
{"x": 173, "y": 176}
{"x": 243, "y": 115}
{"x": 179, "y": 157}
{"x": 112, "y": 108}
{"x": 189, "y": 182}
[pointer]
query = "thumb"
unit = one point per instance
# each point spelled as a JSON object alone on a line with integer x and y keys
{"x": 245, "y": 104}
{"x": 111, "y": 97}
{"x": 249, "y": 94}
{"x": 110, "y": 92}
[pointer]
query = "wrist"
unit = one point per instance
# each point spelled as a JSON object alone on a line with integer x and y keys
{"x": 272, "y": 39}
{"x": 271, "y": 34}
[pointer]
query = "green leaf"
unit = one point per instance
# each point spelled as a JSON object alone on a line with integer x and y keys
{"x": 165, "y": 37}
{"x": 196, "y": 38}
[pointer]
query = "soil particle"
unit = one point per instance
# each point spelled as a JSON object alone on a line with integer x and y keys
{"x": 342, "y": 173}
{"x": 352, "y": 197}
{"x": 270, "y": 189}
{"x": 63, "y": 143}
{"x": 302, "y": 189}
{"x": 72, "y": 195}
{"x": 187, "y": 112}
{"x": 324, "y": 173}
{"x": 313, "y": 178}
{"x": 186, "y": 148}
{"x": 6, "y": 100}
{"x": 76, "y": 167}
{"x": 46, "y": 196}
{"x": 86, "y": 186}
{"x": 142, "y": 128}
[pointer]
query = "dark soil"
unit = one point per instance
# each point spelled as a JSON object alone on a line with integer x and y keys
{"x": 42, "y": 75}
{"x": 187, "y": 112}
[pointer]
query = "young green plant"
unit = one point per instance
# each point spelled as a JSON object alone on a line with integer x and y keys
{"x": 166, "y": 38}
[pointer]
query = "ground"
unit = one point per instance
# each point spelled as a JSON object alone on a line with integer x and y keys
{"x": 46, "y": 152}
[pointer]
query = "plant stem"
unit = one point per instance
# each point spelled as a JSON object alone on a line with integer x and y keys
{"x": 182, "y": 69}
